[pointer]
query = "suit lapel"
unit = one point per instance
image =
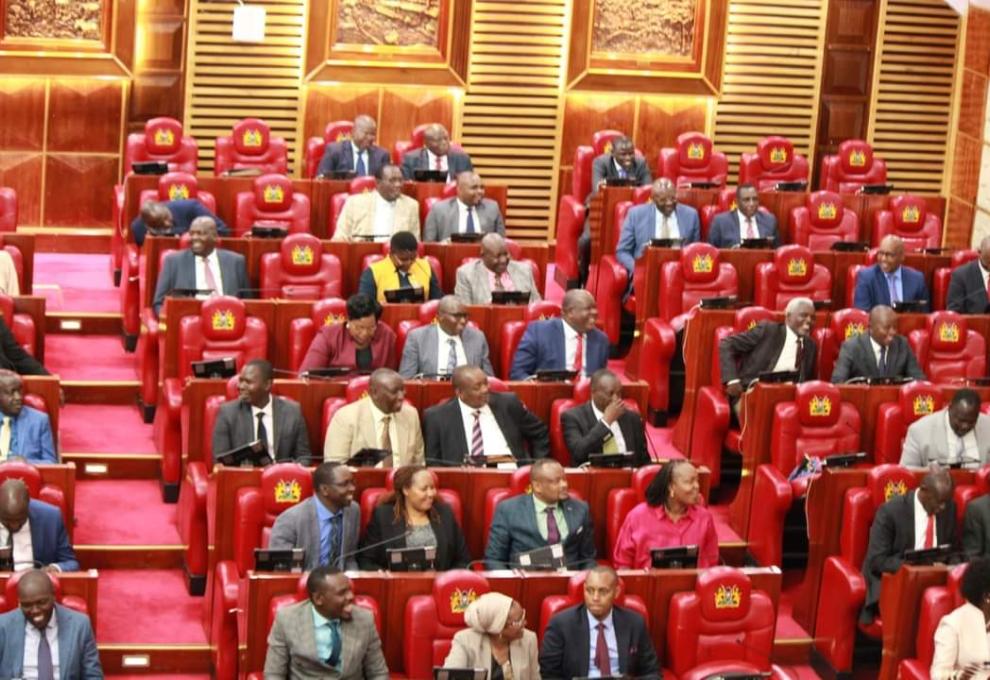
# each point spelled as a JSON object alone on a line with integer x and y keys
{"x": 348, "y": 632}
{"x": 187, "y": 270}
{"x": 16, "y": 642}
{"x": 65, "y": 644}
{"x": 584, "y": 641}
{"x": 777, "y": 346}
{"x": 399, "y": 448}
{"x": 621, "y": 639}
{"x": 559, "y": 348}
{"x": 460, "y": 436}
{"x": 277, "y": 414}
{"x": 431, "y": 341}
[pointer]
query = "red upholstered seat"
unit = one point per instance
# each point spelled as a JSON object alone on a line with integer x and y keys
{"x": 8, "y": 209}
{"x": 693, "y": 160}
{"x": 943, "y": 275}
{"x": 11, "y": 601}
{"x": 251, "y": 145}
{"x": 914, "y": 400}
{"x": 723, "y": 626}
{"x": 336, "y": 131}
{"x": 584, "y": 156}
{"x": 512, "y": 332}
{"x": 936, "y": 602}
{"x": 302, "y": 593}
{"x": 816, "y": 423}
{"x": 358, "y": 185}
{"x": 575, "y": 595}
{"x": 947, "y": 349}
{"x": 725, "y": 202}
{"x": 621, "y": 502}
{"x": 908, "y": 216}
{"x": 869, "y": 259}
{"x": 774, "y": 161}
{"x": 272, "y": 202}
{"x": 793, "y": 273}
{"x": 843, "y": 325}
{"x": 657, "y": 343}
{"x": 853, "y": 166}
{"x": 843, "y": 588}
{"x": 21, "y": 325}
{"x": 698, "y": 274}
{"x": 822, "y": 221}
{"x": 300, "y": 270}
{"x": 432, "y": 620}
{"x": 302, "y": 331}
{"x": 570, "y": 224}
{"x": 37, "y": 487}
{"x": 371, "y": 496}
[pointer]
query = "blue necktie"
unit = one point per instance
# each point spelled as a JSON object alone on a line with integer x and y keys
{"x": 46, "y": 669}
{"x": 452, "y": 357}
{"x": 360, "y": 169}
{"x": 623, "y": 174}
{"x": 335, "y": 644}
{"x": 893, "y": 288}
{"x": 404, "y": 281}
{"x": 333, "y": 550}
{"x": 469, "y": 225}
{"x": 883, "y": 361}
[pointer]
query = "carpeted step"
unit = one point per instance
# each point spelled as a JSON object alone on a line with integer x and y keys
{"x": 123, "y": 512}
{"x": 104, "y": 429}
{"x": 89, "y": 357}
{"x": 75, "y": 282}
{"x": 147, "y": 606}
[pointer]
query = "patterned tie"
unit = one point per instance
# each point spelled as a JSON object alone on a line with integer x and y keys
{"x": 211, "y": 281}
{"x": 46, "y": 670}
{"x": 892, "y": 288}
{"x": 335, "y": 644}
{"x": 333, "y": 553}
{"x": 799, "y": 356}
{"x": 601, "y": 652}
{"x": 930, "y": 532}
{"x": 469, "y": 224}
{"x": 262, "y": 430}
{"x": 610, "y": 445}
{"x": 386, "y": 435}
{"x": 439, "y": 163}
{"x": 882, "y": 366}
{"x": 451, "y": 356}
{"x": 5, "y": 438}
{"x": 477, "y": 442}
{"x": 751, "y": 229}
{"x": 498, "y": 282}
{"x": 579, "y": 354}
{"x": 553, "y": 531}
{"x": 360, "y": 169}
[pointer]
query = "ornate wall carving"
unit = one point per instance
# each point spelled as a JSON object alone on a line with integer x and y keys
{"x": 405, "y": 23}
{"x": 54, "y": 19}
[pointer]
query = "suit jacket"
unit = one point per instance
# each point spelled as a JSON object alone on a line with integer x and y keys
{"x": 441, "y": 222}
{"x": 470, "y": 649}
{"x": 640, "y": 226}
{"x": 31, "y": 437}
{"x": 585, "y": 434}
{"x": 872, "y": 290}
{"x": 927, "y": 441}
{"x": 960, "y": 641}
{"x": 183, "y": 211}
{"x": 976, "y": 528}
{"x": 299, "y": 527}
{"x": 78, "y": 658}
{"x": 857, "y": 360}
{"x": 542, "y": 347}
{"x": 604, "y": 168}
{"x": 724, "y": 232}
{"x": 891, "y": 534}
{"x": 353, "y": 428}
{"x": 967, "y": 294}
{"x": 457, "y": 162}
{"x": 235, "y": 427}
{"x": 744, "y": 356}
{"x": 524, "y": 432}
{"x": 49, "y": 539}
{"x": 13, "y": 357}
{"x": 292, "y": 647}
{"x": 419, "y": 355}
{"x": 567, "y": 645}
{"x": 332, "y": 346}
{"x": 358, "y": 216}
{"x": 514, "y": 530}
{"x": 452, "y": 550}
{"x": 473, "y": 287}
{"x": 339, "y": 157}
{"x": 179, "y": 271}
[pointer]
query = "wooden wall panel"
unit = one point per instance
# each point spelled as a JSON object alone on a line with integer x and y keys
{"x": 22, "y": 172}
{"x": 325, "y": 103}
{"x": 163, "y": 41}
{"x": 75, "y": 190}
{"x": 154, "y": 94}
{"x": 22, "y": 110}
{"x": 661, "y": 119}
{"x": 403, "y": 109}
{"x": 158, "y": 84}
{"x": 84, "y": 115}
{"x": 585, "y": 114}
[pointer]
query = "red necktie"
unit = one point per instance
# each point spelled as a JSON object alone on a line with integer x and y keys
{"x": 438, "y": 163}
{"x": 579, "y": 354}
{"x": 601, "y": 653}
{"x": 930, "y": 532}
{"x": 751, "y": 229}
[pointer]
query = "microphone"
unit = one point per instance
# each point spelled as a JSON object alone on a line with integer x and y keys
{"x": 394, "y": 539}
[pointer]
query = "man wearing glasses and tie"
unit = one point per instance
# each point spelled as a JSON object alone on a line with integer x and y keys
{"x": 889, "y": 281}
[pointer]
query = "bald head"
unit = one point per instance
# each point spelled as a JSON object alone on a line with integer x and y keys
{"x": 883, "y": 325}
{"x": 387, "y": 390}
{"x": 452, "y": 315}
{"x": 985, "y": 252}
{"x": 364, "y": 131}
{"x": 664, "y": 196}
{"x": 36, "y": 594}
{"x": 471, "y": 386}
{"x": 579, "y": 310}
{"x": 890, "y": 256}
{"x": 470, "y": 189}
{"x": 437, "y": 139}
{"x": 935, "y": 491}
{"x": 494, "y": 253}
{"x": 14, "y": 500}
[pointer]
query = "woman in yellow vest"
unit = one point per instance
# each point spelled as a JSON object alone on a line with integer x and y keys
{"x": 403, "y": 268}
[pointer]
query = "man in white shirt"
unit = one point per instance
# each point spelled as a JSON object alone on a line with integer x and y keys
{"x": 376, "y": 215}
{"x": 957, "y": 435}
{"x": 34, "y": 530}
{"x": 660, "y": 218}
{"x": 467, "y": 213}
{"x": 436, "y": 349}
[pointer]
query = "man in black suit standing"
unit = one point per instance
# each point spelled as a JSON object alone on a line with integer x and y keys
{"x": 747, "y": 221}
{"x": 880, "y": 353}
{"x": 477, "y": 424}
{"x": 598, "y": 637}
{"x": 357, "y": 154}
{"x": 436, "y": 155}
{"x": 258, "y": 415}
{"x": 604, "y": 424}
{"x": 925, "y": 518}
{"x": 968, "y": 285}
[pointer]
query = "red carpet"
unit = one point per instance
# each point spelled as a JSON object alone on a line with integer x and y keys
{"x": 725, "y": 532}
{"x": 71, "y": 281}
{"x": 147, "y": 606}
{"x": 787, "y": 627}
{"x": 123, "y": 512}
{"x": 99, "y": 428}
{"x": 89, "y": 357}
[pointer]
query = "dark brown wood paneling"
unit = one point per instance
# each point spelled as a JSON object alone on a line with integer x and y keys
{"x": 22, "y": 110}
{"x": 154, "y": 8}
{"x": 843, "y": 118}
{"x": 660, "y": 120}
{"x": 22, "y": 173}
{"x": 405, "y": 108}
{"x": 84, "y": 115}
{"x": 158, "y": 86}
{"x": 586, "y": 114}
{"x": 343, "y": 102}
{"x": 846, "y": 72}
{"x": 155, "y": 95}
{"x": 163, "y": 40}
{"x": 76, "y": 192}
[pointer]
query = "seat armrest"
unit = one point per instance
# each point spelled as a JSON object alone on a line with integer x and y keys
{"x": 766, "y": 516}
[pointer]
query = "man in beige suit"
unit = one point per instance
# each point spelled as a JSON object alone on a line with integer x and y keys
{"x": 494, "y": 271}
{"x": 382, "y": 420}
{"x": 326, "y": 636}
{"x": 379, "y": 213}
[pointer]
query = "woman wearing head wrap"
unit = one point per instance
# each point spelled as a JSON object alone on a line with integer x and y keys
{"x": 496, "y": 639}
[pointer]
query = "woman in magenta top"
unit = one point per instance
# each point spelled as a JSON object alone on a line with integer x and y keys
{"x": 671, "y": 516}
{"x": 364, "y": 343}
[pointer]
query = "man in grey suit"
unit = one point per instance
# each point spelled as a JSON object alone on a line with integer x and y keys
{"x": 467, "y": 213}
{"x": 436, "y": 155}
{"x": 662, "y": 217}
{"x": 968, "y": 284}
{"x": 747, "y": 221}
{"x": 881, "y": 353}
{"x": 326, "y": 636}
{"x": 547, "y": 516}
{"x": 276, "y": 423}
{"x": 29, "y": 633}
{"x": 438, "y": 348}
{"x": 326, "y": 527}
{"x": 494, "y": 271}
{"x": 957, "y": 435}
{"x": 202, "y": 266}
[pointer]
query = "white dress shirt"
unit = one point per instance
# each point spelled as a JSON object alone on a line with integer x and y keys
{"x": 672, "y": 230}
{"x": 961, "y": 449}
{"x": 876, "y": 351}
{"x": 357, "y": 153}
{"x": 462, "y": 213}
{"x": 213, "y": 262}
{"x": 443, "y": 350}
{"x": 921, "y": 525}
{"x": 787, "y": 361}
{"x": 742, "y": 226}
{"x": 384, "y": 218}
{"x": 23, "y": 547}
{"x": 32, "y": 640}
{"x": 433, "y": 161}
{"x": 492, "y": 438}
{"x": 610, "y": 641}
{"x": 983, "y": 272}
{"x": 393, "y": 430}
{"x": 570, "y": 348}
{"x": 269, "y": 421}
{"x": 620, "y": 441}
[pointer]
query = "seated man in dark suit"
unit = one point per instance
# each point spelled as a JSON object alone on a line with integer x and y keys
{"x": 747, "y": 221}
{"x": 478, "y": 423}
{"x": 569, "y": 343}
{"x": 661, "y": 217}
{"x": 39, "y": 636}
{"x": 171, "y": 218}
{"x": 469, "y": 212}
{"x": 258, "y": 415}
{"x": 888, "y": 281}
{"x": 326, "y": 527}
{"x": 202, "y": 266}
{"x": 547, "y": 516}
{"x": 770, "y": 346}
{"x": 925, "y": 518}
{"x": 24, "y": 431}
{"x": 968, "y": 284}
{"x": 436, "y": 155}
{"x": 603, "y": 424}
{"x": 357, "y": 154}
{"x": 880, "y": 353}
{"x": 401, "y": 268}
{"x": 598, "y": 638}
{"x": 35, "y": 530}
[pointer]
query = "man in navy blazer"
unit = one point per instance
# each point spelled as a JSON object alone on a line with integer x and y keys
{"x": 730, "y": 227}
{"x": 662, "y": 217}
{"x": 25, "y": 518}
{"x": 182, "y": 270}
{"x": 968, "y": 284}
{"x": 30, "y": 431}
{"x": 22, "y": 628}
{"x": 171, "y": 218}
{"x": 553, "y": 344}
{"x": 359, "y": 154}
{"x": 547, "y": 516}
{"x": 875, "y": 284}
{"x": 436, "y": 149}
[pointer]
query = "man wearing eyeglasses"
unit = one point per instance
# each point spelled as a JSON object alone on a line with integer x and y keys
{"x": 889, "y": 281}
{"x": 438, "y": 348}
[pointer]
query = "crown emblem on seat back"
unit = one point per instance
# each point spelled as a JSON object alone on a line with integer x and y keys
{"x": 778, "y": 154}
{"x": 703, "y": 264}
{"x": 827, "y": 211}
{"x": 797, "y": 267}
{"x": 460, "y": 599}
{"x": 302, "y": 255}
{"x": 728, "y": 597}
{"x": 820, "y": 406}
{"x": 891, "y": 489}
{"x": 331, "y": 319}
{"x": 223, "y": 320}
{"x": 178, "y": 192}
{"x": 854, "y": 329}
{"x": 252, "y": 138}
{"x": 923, "y": 405}
{"x": 696, "y": 151}
{"x": 288, "y": 491}
{"x": 948, "y": 332}
{"x": 164, "y": 137}
{"x": 857, "y": 158}
{"x": 273, "y": 194}
{"x": 911, "y": 214}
